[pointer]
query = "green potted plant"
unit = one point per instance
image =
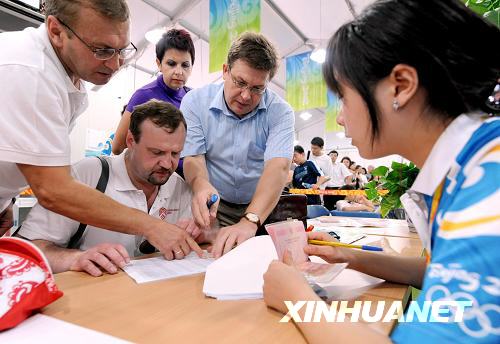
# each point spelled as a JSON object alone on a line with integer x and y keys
{"x": 396, "y": 181}
{"x": 489, "y": 9}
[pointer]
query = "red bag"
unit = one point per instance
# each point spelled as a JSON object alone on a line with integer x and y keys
{"x": 26, "y": 281}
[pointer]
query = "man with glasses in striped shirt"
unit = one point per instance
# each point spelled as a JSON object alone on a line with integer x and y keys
{"x": 239, "y": 143}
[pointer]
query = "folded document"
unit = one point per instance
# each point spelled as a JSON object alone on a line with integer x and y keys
{"x": 158, "y": 268}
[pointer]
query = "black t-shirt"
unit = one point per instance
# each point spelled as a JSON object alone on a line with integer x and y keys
{"x": 305, "y": 175}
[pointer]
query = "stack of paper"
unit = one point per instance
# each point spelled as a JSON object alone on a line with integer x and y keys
{"x": 238, "y": 275}
{"x": 154, "y": 269}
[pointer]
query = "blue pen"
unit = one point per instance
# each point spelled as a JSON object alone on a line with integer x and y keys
{"x": 212, "y": 200}
{"x": 333, "y": 243}
{"x": 371, "y": 248}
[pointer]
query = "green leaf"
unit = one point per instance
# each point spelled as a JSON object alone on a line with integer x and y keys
{"x": 371, "y": 185}
{"x": 380, "y": 171}
{"x": 393, "y": 188}
{"x": 394, "y": 176}
{"x": 493, "y": 16}
{"x": 371, "y": 194}
{"x": 397, "y": 166}
{"x": 489, "y": 9}
{"x": 396, "y": 181}
{"x": 385, "y": 206}
{"x": 397, "y": 204}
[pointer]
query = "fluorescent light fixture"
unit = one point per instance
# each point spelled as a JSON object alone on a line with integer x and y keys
{"x": 153, "y": 36}
{"x": 32, "y": 3}
{"x": 318, "y": 55}
{"x": 305, "y": 115}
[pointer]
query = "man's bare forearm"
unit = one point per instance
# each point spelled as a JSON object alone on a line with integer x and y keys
{"x": 269, "y": 188}
{"x": 195, "y": 171}
{"x": 57, "y": 191}
{"x": 60, "y": 259}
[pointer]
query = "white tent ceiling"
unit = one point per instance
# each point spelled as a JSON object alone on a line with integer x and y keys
{"x": 292, "y": 25}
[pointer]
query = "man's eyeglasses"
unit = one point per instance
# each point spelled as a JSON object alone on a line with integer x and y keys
{"x": 242, "y": 85}
{"x": 105, "y": 53}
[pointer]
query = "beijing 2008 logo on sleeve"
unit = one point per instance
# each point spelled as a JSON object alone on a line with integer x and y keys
{"x": 163, "y": 213}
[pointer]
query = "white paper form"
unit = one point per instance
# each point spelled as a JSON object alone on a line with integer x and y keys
{"x": 158, "y": 268}
{"x": 349, "y": 284}
{"x": 238, "y": 275}
{"x": 41, "y": 328}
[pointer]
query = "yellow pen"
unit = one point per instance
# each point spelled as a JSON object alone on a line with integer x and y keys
{"x": 339, "y": 244}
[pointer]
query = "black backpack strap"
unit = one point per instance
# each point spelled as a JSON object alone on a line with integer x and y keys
{"x": 101, "y": 186}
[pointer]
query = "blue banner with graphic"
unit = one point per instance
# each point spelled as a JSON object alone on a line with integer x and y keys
{"x": 305, "y": 87}
{"x": 228, "y": 19}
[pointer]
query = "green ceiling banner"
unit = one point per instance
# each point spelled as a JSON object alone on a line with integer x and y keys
{"x": 489, "y": 9}
{"x": 228, "y": 19}
{"x": 331, "y": 112}
{"x": 305, "y": 88}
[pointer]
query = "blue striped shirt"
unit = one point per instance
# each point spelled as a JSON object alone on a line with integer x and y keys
{"x": 235, "y": 149}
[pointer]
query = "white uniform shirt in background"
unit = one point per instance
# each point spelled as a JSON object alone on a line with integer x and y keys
{"x": 325, "y": 164}
{"x": 362, "y": 180}
{"x": 339, "y": 174}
